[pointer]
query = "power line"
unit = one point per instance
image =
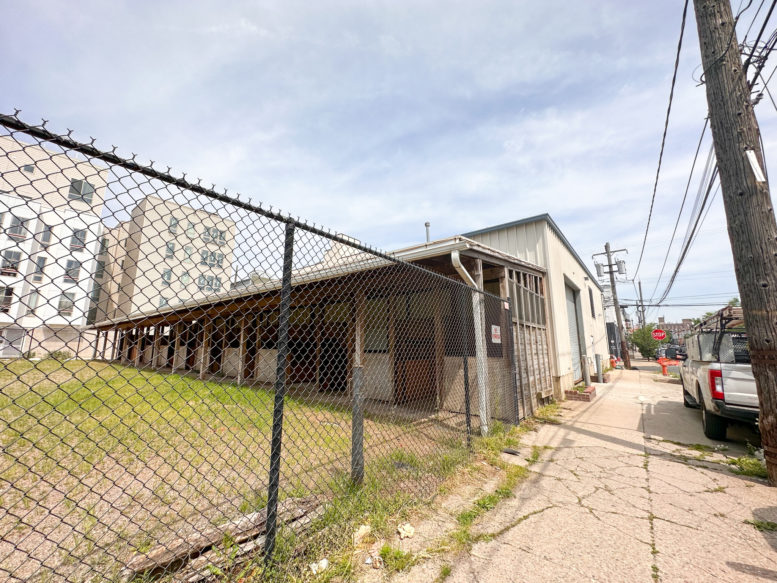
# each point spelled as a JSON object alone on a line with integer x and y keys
{"x": 663, "y": 138}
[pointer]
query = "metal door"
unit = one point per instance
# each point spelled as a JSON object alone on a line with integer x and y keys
{"x": 574, "y": 335}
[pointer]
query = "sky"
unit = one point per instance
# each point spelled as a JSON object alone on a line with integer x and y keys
{"x": 372, "y": 117}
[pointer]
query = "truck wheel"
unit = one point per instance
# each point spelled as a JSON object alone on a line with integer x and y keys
{"x": 713, "y": 425}
{"x": 688, "y": 400}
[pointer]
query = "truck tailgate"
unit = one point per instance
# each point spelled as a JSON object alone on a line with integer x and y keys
{"x": 739, "y": 385}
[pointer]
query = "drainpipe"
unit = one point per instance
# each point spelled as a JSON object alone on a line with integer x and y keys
{"x": 480, "y": 342}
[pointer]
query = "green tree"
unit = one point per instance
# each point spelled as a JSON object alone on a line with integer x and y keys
{"x": 642, "y": 338}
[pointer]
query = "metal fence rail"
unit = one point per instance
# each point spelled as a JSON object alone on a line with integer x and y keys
{"x": 194, "y": 387}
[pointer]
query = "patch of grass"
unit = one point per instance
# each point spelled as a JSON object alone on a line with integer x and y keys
{"x": 396, "y": 560}
{"x": 748, "y": 466}
{"x": 763, "y": 525}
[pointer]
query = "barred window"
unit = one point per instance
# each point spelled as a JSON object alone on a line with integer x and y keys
{"x": 6, "y": 298}
{"x": 81, "y": 190}
{"x": 37, "y": 273}
{"x": 72, "y": 270}
{"x": 66, "y": 304}
{"x": 78, "y": 240}
{"x": 18, "y": 228}
{"x": 10, "y": 264}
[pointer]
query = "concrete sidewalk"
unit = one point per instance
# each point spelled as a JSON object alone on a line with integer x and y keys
{"x": 616, "y": 499}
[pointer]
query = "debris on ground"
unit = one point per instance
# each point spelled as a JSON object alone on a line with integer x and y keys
{"x": 405, "y": 530}
{"x": 319, "y": 567}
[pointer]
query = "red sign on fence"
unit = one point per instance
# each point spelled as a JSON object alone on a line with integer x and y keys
{"x": 658, "y": 334}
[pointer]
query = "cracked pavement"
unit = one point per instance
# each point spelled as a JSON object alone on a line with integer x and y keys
{"x": 617, "y": 498}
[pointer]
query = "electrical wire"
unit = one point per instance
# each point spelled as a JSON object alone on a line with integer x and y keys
{"x": 663, "y": 138}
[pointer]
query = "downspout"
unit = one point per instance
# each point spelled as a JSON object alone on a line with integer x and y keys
{"x": 480, "y": 342}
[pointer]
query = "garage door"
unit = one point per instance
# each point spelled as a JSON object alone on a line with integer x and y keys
{"x": 574, "y": 335}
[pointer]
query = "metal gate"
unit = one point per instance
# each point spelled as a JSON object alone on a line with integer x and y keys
{"x": 574, "y": 334}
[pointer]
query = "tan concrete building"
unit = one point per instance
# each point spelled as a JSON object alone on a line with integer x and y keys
{"x": 575, "y": 318}
{"x": 165, "y": 254}
{"x": 50, "y": 243}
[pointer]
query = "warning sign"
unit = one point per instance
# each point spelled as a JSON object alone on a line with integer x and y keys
{"x": 496, "y": 334}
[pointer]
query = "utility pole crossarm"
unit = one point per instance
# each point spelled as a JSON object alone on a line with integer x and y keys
{"x": 750, "y": 217}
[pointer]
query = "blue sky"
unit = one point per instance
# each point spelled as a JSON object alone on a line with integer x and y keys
{"x": 373, "y": 117}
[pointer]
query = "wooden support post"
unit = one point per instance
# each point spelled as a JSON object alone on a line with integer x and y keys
{"x": 241, "y": 351}
{"x": 205, "y": 349}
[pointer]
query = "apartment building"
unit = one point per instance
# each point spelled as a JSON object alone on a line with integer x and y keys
{"x": 166, "y": 254}
{"x": 50, "y": 240}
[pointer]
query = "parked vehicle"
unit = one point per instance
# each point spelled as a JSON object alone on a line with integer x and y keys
{"x": 716, "y": 374}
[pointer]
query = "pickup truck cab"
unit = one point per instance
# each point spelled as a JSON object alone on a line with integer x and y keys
{"x": 716, "y": 374}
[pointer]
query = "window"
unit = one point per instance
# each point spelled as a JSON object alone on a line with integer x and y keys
{"x": 81, "y": 190}
{"x": 215, "y": 235}
{"x": 45, "y": 236}
{"x": 37, "y": 274}
{"x": 212, "y": 259}
{"x": 591, "y": 298}
{"x": 103, "y": 246}
{"x": 29, "y": 168}
{"x": 209, "y": 283}
{"x": 32, "y": 302}
{"x": 187, "y": 253}
{"x": 163, "y": 302}
{"x": 173, "y": 226}
{"x": 167, "y": 276}
{"x": 66, "y": 304}
{"x": 10, "y": 264}
{"x": 170, "y": 250}
{"x": 18, "y": 228}
{"x": 185, "y": 278}
{"x": 191, "y": 232}
{"x": 6, "y": 297}
{"x": 78, "y": 240}
{"x": 100, "y": 271}
{"x": 72, "y": 270}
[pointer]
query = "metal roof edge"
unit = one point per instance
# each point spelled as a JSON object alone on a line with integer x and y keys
{"x": 535, "y": 219}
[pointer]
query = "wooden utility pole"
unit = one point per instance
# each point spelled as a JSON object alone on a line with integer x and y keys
{"x": 618, "y": 316}
{"x": 751, "y": 224}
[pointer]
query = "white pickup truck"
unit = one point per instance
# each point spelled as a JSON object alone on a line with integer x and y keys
{"x": 716, "y": 374}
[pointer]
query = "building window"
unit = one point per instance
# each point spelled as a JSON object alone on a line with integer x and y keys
{"x": 191, "y": 232}
{"x": 45, "y": 236}
{"x": 167, "y": 276}
{"x": 37, "y": 274}
{"x": 185, "y": 278}
{"x": 17, "y": 229}
{"x": 100, "y": 271}
{"x": 6, "y": 297}
{"x": 66, "y": 304}
{"x": 173, "y": 226}
{"x": 170, "y": 250}
{"x": 187, "y": 253}
{"x": 29, "y": 168}
{"x": 32, "y": 302}
{"x": 211, "y": 259}
{"x": 10, "y": 264}
{"x": 72, "y": 270}
{"x": 591, "y": 298}
{"x": 163, "y": 302}
{"x": 78, "y": 240}
{"x": 81, "y": 190}
{"x": 209, "y": 283}
{"x": 103, "y": 246}
{"x": 215, "y": 235}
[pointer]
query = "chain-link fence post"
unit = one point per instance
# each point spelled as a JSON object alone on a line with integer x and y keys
{"x": 280, "y": 393}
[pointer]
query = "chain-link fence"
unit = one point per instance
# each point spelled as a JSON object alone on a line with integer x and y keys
{"x": 194, "y": 387}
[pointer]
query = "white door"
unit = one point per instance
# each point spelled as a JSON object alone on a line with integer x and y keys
{"x": 574, "y": 335}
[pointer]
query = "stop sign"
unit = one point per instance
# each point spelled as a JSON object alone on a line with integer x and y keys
{"x": 658, "y": 334}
